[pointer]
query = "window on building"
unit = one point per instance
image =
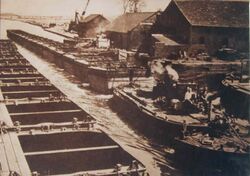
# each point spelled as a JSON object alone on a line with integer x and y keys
{"x": 201, "y": 40}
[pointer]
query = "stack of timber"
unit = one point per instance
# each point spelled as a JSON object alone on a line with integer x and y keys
{"x": 45, "y": 133}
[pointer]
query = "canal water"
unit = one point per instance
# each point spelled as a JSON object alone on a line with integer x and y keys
{"x": 149, "y": 153}
{"x": 154, "y": 156}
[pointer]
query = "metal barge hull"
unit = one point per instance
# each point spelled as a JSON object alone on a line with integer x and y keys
{"x": 147, "y": 121}
{"x": 195, "y": 155}
{"x": 236, "y": 98}
{"x": 45, "y": 133}
{"x": 101, "y": 79}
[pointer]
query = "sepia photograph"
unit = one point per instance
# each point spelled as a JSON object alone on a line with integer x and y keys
{"x": 124, "y": 88}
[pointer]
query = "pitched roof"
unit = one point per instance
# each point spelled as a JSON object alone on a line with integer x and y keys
{"x": 129, "y": 21}
{"x": 164, "y": 39}
{"x": 215, "y": 13}
{"x": 90, "y": 18}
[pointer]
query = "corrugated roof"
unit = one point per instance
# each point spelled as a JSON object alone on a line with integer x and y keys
{"x": 164, "y": 39}
{"x": 216, "y": 13}
{"x": 128, "y": 21}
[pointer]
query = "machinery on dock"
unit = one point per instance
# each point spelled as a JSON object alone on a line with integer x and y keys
{"x": 74, "y": 25}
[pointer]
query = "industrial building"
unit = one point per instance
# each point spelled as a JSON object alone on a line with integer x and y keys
{"x": 90, "y": 26}
{"x": 202, "y": 25}
{"x": 130, "y": 29}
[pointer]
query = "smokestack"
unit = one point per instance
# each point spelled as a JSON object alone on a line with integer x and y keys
{"x": 157, "y": 70}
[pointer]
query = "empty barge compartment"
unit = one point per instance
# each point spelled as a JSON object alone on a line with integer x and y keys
{"x": 48, "y": 134}
{"x": 53, "y": 112}
{"x": 71, "y": 152}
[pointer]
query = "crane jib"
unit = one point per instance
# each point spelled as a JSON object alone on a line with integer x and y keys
{"x": 86, "y": 6}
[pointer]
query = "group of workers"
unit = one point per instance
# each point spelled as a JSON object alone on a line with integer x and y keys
{"x": 166, "y": 79}
{"x": 194, "y": 99}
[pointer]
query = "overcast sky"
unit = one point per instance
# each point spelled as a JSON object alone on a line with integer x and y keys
{"x": 109, "y": 8}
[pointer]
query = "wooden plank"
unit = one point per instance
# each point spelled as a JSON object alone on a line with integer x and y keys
{"x": 13, "y": 154}
{"x": 20, "y": 158}
{"x": 3, "y": 159}
{"x": 16, "y": 78}
{"x": 62, "y": 124}
{"x": 30, "y": 91}
{"x": 45, "y": 112}
{"x": 106, "y": 172}
{"x": 72, "y": 150}
{"x": 10, "y": 154}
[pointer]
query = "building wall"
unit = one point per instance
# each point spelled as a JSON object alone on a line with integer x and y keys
{"x": 162, "y": 50}
{"x": 173, "y": 23}
{"x": 214, "y": 38}
{"x": 135, "y": 38}
{"x": 132, "y": 39}
{"x": 92, "y": 28}
{"x": 140, "y": 36}
{"x": 118, "y": 40}
{"x": 128, "y": 41}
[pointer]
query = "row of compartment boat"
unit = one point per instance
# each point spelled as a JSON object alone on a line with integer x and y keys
{"x": 200, "y": 142}
{"x": 103, "y": 69}
{"x": 45, "y": 133}
{"x": 100, "y": 67}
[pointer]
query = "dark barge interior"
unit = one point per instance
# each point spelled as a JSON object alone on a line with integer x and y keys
{"x": 81, "y": 151}
{"x": 55, "y": 112}
{"x": 70, "y": 162}
{"x": 56, "y": 136}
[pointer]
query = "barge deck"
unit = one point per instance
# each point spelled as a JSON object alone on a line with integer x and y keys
{"x": 45, "y": 133}
{"x": 100, "y": 67}
{"x": 154, "y": 121}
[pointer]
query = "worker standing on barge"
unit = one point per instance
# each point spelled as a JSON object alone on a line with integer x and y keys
{"x": 131, "y": 75}
{"x": 171, "y": 77}
{"x": 171, "y": 74}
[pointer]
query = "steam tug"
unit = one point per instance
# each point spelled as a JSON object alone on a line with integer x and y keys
{"x": 170, "y": 103}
